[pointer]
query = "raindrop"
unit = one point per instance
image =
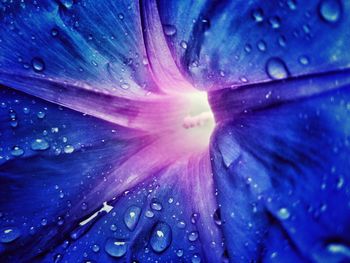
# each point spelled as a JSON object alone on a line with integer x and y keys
{"x": 330, "y": 10}
{"x": 156, "y": 205}
{"x": 43, "y": 222}
{"x": 282, "y": 41}
{"x": 304, "y": 60}
{"x": 275, "y": 22}
{"x": 121, "y": 16}
{"x": 276, "y": 68}
{"x": 169, "y": 30}
{"x": 196, "y": 258}
{"x": 68, "y": 149}
{"x": 181, "y": 224}
{"x": 41, "y": 114}
{"x": 194, "y": 218}
{"x": 258, "y": 15}
{"x": 149, "y": 214}
{"x": 54, "y": 32}
{"x": 161, "y": 237}
{"x": 84, "y": 206}
{"x": 39, "y": 145}
{"x": 179, "y": 253}
{"x": 116, "y": 248}
{"x": 183, "y": 44}
{"x": 57, "y": 258}
{"x": 131, "y": 217}
{"x": 113, "y": 227}
{"x": 283, "y": 213}
{"x": 26, "y": 110}
{"x": 292, "y": 4}
{"x": 38, "y": 64}
{"x": 193, "y": 236}
{"x": 17, "y": 151}
{"x": 217, "y": 217}
{"x": 67, "y": 3}
{"x": 7, "y": 235}
{"x": 95, "y": 248}
{"x": 262, "y": 45}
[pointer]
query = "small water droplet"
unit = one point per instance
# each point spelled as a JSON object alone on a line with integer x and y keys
{"x": 304, "y": 60}
{"x": 17, "y": 151}
{"x": 283, "y": 213}
{"x": 41, "y": 114}
{"x": 156, "y": 205}
{"x": 330, "y": 10}
{"x": 275, "y": 22}
{"x": 292, "y": 4}
{"x": 262, "y": 45}
{"x": 38, "y": 64}
{"x": 39, "y": 145}
{"x": 339, "y": 249}
{"x": 194, "y": 218}
{"x": 276, "y": 68}
{"x": 116, "y": 248}
{"x": 131, "y": 217}
{"x": 169, "y": 30}
{"x": 113, "y": 227}
{"x": 196, "y": 258}
{"x": 181, "y": 224}
{"x": 149, "y": 214}
{"x": 121, "y": 16}
{"x": 161, "y": 237}
{"x": 54, "y": 32}
{"x": 43, "y": 222}
{"x": 258, "y": 15}
{"x": 217, "y": 217}
{"x": 67, "y": 3}
{"x": 179, "y": 253}
{"x": 95, "y": 248}
{"x": 193, "y": 236}
{"x": 9, "y": 234}
{"x": 68, "y": 149}
{"x": 183, "y": 44}
{"x": 84, "y": 206}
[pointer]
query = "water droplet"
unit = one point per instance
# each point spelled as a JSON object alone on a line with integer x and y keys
{"x": 283, "y": 213}
{"x": 156, "y": 205}
{"x": 84, "y": 206}
{"x": 282, "y": 41}
{"x": 169, "y": 30}
{"x": 39, "y": 145}
{"x": 181, "y": 224}
{"x": 41, "y": 115}
{"x": 38, "y": 64}
{"x": 194, "y": 218}
{"x": 258, "y": 15}
{"x": 26, "y": 110}
{"x": 9, "y": 234}
{"x": 276, "y": 69}
{"x": 275, "y": 22}
{"x": 17, "y": 151}
{"x": 183, "y": 44}
{"x": 131, "y": 217}
{"x": 68, "y": 149}
{"x": 217, "y": 217}
{"x": 262, "y": 45}
{"x": 304, "y": 60}
{"x": 149, "y": 214}
{"x": 67, "y": 3}
{"x": 57, "y": 258}
{"x": 330, "y": 10}
{"x": 179, "y": 253}
{"x": 292, "y": 4}
{"x": 95, "y": 248}
{"x": 43, "y": 222}
{"x": 121, "y": 16}
{"x": 113, "y": 227}
{"x": 161, "y": 237}
{"x": 193, "y": 236}
{"x": 116, "y": 248}
{"x": 196, "y": 258}
{"x": 339, "y": 249}
{"x": 54, "y": 32}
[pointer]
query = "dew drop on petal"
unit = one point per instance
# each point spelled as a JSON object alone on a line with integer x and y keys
{"x": 131, "y": 217}
{"x": 161, "y": 237}
{"x": 156, "y": 205}
{"x": 339, "y": 249}
{"x": 179, "y": 253}
{"x": 258, "y": 15}
{"x": 183, "y": 44}
{"x": 116, "y": 248}
{"x": 330, "y": 10}
{"x": 193, "y": 236}
{"x": 283, "y": 213}
{"x": 38, "y": 64}
{"x": 276, "y": 68}
{"x": 68, "y": 149}
{"x": 39, "y": 145}
{"x": 275, "y": 22}
{"x": 9, "y": 234}
{"x": 196, "y": 258}
{"x": 17, "y": 151}
{"x": 169, "y": 30}
{"x": 54, "y": 32}
{"x": 95, "y": 248}
{"x": 67, "y": 3}
{"x": 304, "y": 60}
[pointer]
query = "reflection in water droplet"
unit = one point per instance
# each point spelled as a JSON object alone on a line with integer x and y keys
{"x": 17, "y": 151}
{"x": 161, "y": 237}
{"x": 276, "y": 68}
{"x": 283, "y": 213}
{"x": 7, "y": 235}
{"x": 116, "y": 248}
{"x": 38, "y": 64}
{"x": 131, "y": 217}
{"x": 330, "y": 10}
{"x": 169, "y": 30}
{"x": 39, "y": 145}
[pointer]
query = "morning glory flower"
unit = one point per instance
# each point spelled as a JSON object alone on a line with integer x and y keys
{"x": 174, "y": 131}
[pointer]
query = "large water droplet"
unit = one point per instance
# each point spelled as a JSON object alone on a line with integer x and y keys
{"x": 39, "y": 145}
{"x": 169, "y": 30}
{"x": 131, "y": 217}
{"x": 161, "y": 237}
{"x": 276, "y": 68}
{"x": 38, "y": 64}
{"x": 7, "y": 235}
{"x": 17, "y": 151}
{"x": 116, "y": 248}
{"x": 330, "y": 10}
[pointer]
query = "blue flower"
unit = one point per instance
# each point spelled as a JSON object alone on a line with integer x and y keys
{"x": 174, "y": 131}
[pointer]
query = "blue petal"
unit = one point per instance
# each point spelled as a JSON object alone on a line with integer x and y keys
{"x": 283, "y": 180}
{"x": 233, "y": 42}
{"x": 54, "y": 163}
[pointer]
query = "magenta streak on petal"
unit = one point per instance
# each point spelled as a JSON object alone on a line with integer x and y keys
{"x": 162, "y": 65}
